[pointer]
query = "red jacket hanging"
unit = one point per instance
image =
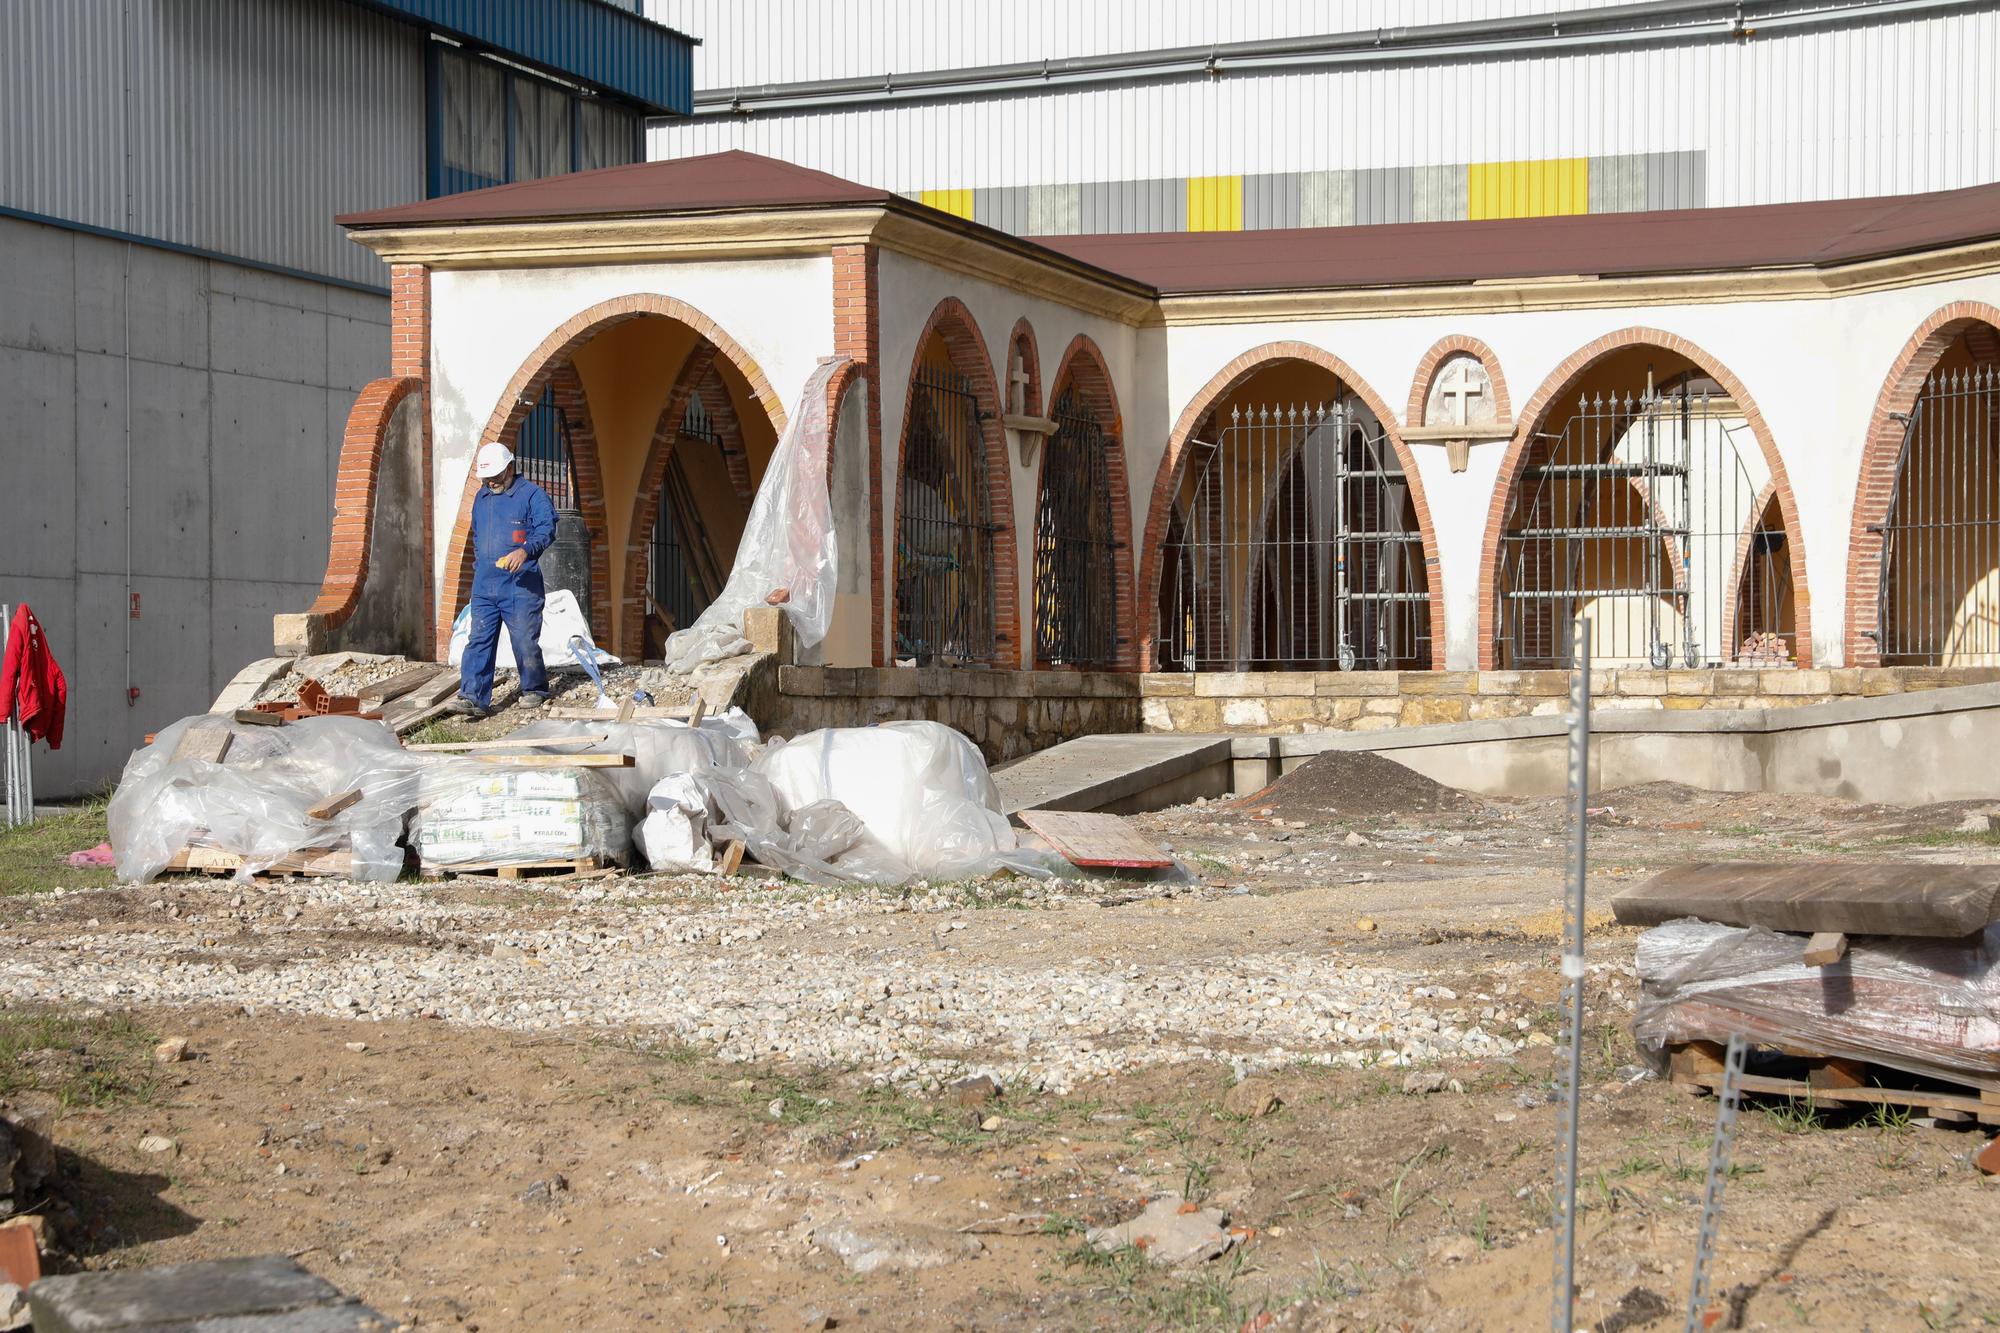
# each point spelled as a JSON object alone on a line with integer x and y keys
{"x": 32, "y": 687}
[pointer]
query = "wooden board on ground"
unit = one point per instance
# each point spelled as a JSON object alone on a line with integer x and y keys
{"x": 333, "y": 805}
{"x": 553, "y": 760}
{"x": 691, "y": 714}
{"x": 1093, "y": 839}
{"x": 423, "y": 703}
{"x": 586, "y": 738}
{"x": 1831, "y": 1080}
{"x": 251, "y": 717}
{"x": 732, "y": 857}
{"x": 305, "y": 861}
{"x": 398, "y": 685}
{"x": 582, "y": 867}
{"x": 206, "y": 741}
{"x": 1852, "y": 898}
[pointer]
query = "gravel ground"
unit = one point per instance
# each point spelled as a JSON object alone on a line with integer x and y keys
{"x": 903, "y": 990}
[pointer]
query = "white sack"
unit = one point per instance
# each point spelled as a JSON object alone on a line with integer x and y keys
{"x": 673, "y": 836}
{"x": 562, "y": 619}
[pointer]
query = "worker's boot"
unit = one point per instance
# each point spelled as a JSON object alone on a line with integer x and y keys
{"x": 464, "y": 707}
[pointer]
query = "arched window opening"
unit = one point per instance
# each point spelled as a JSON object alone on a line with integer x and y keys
{"x": 1766, "y": 617}
{"x": 1294, "y": 545}
{"x": 545, "y": 453}
{"x": 1939, "y": 600}
{"x": 684, "y": 573}
{"x": 1076, "y": 583}
{"x": 944, "y": 540}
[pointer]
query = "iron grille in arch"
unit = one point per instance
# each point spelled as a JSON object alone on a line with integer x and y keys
{"x": 1643, "y": 514}
{"x": 1294, "y": 545}
{"x": 1076, "y": 551}
{"x": 544, "y": 454}
{"x": 944, "y": 537}
{"x": 1939, "y": 598}
{"x": 682, "y": 573}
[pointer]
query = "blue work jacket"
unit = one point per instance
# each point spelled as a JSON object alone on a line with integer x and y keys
{"x": 520, "y": 517}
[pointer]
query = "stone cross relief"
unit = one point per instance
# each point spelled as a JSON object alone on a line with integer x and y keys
{"x": 1017, "y": 380}
{"x": 1461, "y": 395}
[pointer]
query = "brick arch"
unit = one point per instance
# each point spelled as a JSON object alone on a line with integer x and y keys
{"x": 1083, "y": 365}
{"x": 1537, "y": 408}
{"x": 1882, "y": 450}
{"x": 525, "y": 388}
{"x": 1427, "y": 369}
{"x": 1226, "y": 381}
{"x": 1023, "y": 336}
{"x": 954, "y": 325}
{"x": 717, "y": 401}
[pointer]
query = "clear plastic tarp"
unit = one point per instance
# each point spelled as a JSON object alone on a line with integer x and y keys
{"x": 788, "y": 543}
{"x": 474, "y": 813}
{"x": 1929, "y": 1007}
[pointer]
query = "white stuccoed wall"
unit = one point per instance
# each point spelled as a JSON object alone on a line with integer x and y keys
{"x": 1813, "y": 367}
{"x": 486, "y": 323}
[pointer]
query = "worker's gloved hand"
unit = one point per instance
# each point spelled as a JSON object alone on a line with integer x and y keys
{"x": 512, "y": 561}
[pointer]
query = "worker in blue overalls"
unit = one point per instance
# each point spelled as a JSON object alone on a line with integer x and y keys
{"x": 513, "y": 522}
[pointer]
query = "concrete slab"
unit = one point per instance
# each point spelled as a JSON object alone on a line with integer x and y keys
{"x": 1103, "y": 772}
{"x": 169, "y": 317}
{"x": 258, "y": 284}
{"x": 171, "y": 480}
{"x": 270, "y": 341}
{"x": 243, "y": 1295}
{"x": 37, "y": 287}
{"x": 38, "y": 498}
{"x": 270, "y": 440}
{"x": 240, "y": 625}
{"x": 356, "y": 351}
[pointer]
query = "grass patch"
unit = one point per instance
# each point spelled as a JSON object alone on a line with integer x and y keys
{"x": 80, "y": 1062}
{"x": 32, "y": 855}
{"x": 438, "y": 732}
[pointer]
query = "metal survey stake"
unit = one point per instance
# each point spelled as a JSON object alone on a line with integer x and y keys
{"x": 1718, "y": 1176}
{"x": 1562, "y": 1316}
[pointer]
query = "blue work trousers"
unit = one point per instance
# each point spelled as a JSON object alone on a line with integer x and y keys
{"x": 519, "y": 608}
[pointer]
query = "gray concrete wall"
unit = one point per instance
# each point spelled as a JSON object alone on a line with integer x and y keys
{"x": 240, "y": 384}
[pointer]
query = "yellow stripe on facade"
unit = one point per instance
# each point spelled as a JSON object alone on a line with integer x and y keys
{"x": 1535, "y": 189}
{"x": 958, "y": 203}
{"x": 1215, "y": 203}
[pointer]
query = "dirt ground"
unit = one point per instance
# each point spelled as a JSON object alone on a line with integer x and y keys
{"x": 460, "y": 1176}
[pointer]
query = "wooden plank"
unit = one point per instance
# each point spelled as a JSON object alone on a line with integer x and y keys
{"x": 625, "y": 709}
{"x": 1090, "y": 838}
{"x": 406, "y": 723}
{"x": 398, "y": 685}
{"x": 208, "y": 742}
{"x": 333, "y": 805}
{"x": 1852, "y": 898}
{"x": 697, "y": 711}
{"x": 1837, "y": 1072}
{"x": 555, "y": 760}
{"x": 1824, "y": 948}
{"x": 305, "y": 861}
{"x": 732, "y": 858}
{"x": 640, "y": 713}
{"x": 250, "y": 717}
{"x": 582, "y": 867}
{"x": 1798, "y": 1088}
{"x": 586, "y": 738}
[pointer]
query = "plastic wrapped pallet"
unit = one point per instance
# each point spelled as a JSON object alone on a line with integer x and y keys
{"x": 473, "y": 813}
{"x": 254, "y": 805}
{"x": 1929, "y": 1007}
{"x": 658, "y": 749}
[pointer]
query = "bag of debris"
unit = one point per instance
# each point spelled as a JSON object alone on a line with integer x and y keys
{"x": 473, "y": 813}
{"x": 920, "y": 790}
{"x": 256, "y": 804}
{"x": 673, "y": 837}
{"x": 1924, "y": 1006}
{"x": 788, "y": 544}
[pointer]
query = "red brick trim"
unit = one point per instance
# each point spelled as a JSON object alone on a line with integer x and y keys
{"x": 1446, "y": 347}
{"x": 354, "y": 497}
{"x": 1084, "y": 366}
{"x": 1023, "y": 338}
{"x": 1530, "y": 420}
{"x": 525, "y": 389}
{"x": 1167, "y": 481}
{"x": 1881, "y": 453}
{"x": 700, "y": 365}
{"x": 966, "y": 348}
{"x": 410, "y": 358}
{"x": 857, "y": 335}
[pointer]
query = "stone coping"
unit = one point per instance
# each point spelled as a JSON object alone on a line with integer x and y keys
{"x": 1620, "y": 682}
{"x": 950, "y": 682}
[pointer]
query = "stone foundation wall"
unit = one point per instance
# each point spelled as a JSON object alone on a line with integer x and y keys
{"x": 1006, "y": 713}
{"x": 1285, "y": 702}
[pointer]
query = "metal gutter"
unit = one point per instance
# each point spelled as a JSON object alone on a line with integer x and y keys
{"x": 1649, "y": 22}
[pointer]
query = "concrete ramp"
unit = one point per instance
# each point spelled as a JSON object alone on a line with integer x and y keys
{"x": 1121, "y": 774}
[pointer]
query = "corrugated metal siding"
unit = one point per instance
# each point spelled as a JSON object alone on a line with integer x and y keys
{"x": 1900, "y": 105}
{"x": 249, "y": 123}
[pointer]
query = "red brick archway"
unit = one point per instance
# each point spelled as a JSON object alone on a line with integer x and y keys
{"x": 1427, "y": 369}
{"x": 966, "y": 348}
{"x": 1083, "y": 366}
{"x": 524, "y": 389}
{"x": 1531, "y": 418}
{"x": 1226, "y": 381}
{"x": 1880, "y": 454}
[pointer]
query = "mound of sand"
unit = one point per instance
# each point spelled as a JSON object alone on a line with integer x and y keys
{"x": 1345, "y": 784}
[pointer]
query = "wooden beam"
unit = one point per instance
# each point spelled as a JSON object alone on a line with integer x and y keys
{"x": 555, "y": 760}
{"x": 333, "y": 805}
{"x": 732, "y": 858}
{"x": 398, "y": 685}
{"x": 1846, "y": 897}
{"x": 1826, "y": 946}
{"x": 640, "y": 713}
{"x": 250, "y": 717}
{"x": 587, "y": 738}
{"x": 625, "y": 709}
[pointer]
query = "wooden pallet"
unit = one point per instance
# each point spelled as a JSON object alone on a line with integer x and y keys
{"x": 307, "y": 862}
{"x": 582, "y": 867}
{"x": 1833, "y": 1080}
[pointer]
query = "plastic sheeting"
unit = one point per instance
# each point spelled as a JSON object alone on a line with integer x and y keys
{"x": 562, "y": 620}
{"x": 788, "y": 542}
{"x": 254, "y": 804}
{"x": 473, "y": 813}
{"x": 1920, "y": 1005}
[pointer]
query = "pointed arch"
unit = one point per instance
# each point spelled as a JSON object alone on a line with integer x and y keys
{"x": 1084, "y": 369}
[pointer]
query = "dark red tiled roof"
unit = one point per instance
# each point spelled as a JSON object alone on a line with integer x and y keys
{"x": 731, "y": 180}
{"x": 1595, "y": 244}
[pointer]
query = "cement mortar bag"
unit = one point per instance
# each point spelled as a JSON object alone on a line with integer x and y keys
{"x": 254, "y": 804}
{"x": 920, "y": 789}
{"x": 475, "y": 813}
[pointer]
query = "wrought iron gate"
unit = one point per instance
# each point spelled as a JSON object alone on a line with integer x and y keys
{"x": 1643, "y": 515}
{"x": 944, "y": 538}
{"x": 543, "y": 452}
{"x": 1939, "y": 598}
{"x": 1296, "y": 547}
{"x": 1076, "y": 575}
{"x": 682, "y": 574}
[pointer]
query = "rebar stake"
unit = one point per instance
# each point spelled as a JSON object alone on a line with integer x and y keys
{"x": 1718, "y": 1176}
{"x": 1562, "y": 1316}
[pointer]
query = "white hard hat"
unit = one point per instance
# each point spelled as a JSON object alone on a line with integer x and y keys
{"x": 492, "y": 460}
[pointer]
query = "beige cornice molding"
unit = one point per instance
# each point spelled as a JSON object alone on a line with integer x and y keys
{"x": 1485, "y": 430}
